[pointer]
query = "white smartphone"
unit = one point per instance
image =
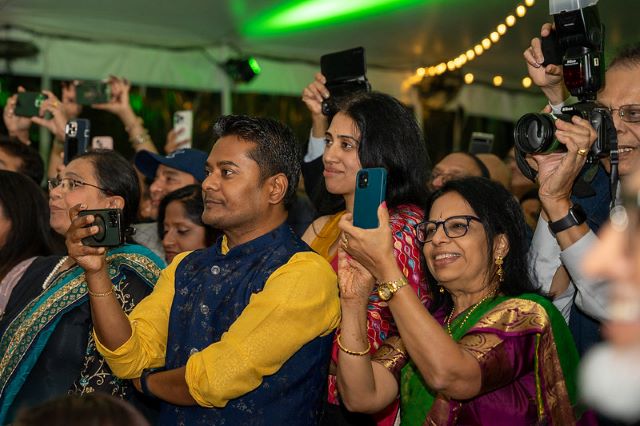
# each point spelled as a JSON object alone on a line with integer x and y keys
{"x": 102, "y": 142}
{"x": 183, "y": 127}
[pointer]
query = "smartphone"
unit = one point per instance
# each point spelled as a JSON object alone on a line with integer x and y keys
{"x": 183, "y": 125}
{"x": 28, "y": 104}
{"x": 346, "y": 74}
{"x": 481, "y": 143}
{"x": 371, "y": 186}
{"x": 93, "y": 92}
{"x": 76, "y": 138}
{"x": 109, "y": 223}
{"x": 102, "y": 142}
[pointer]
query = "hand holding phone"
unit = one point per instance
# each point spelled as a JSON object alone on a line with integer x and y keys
{"x": 183, "y": 128}
{"x": 346, "y": 74}
{"x": 109, "y": 223}
{"x": 28, "y": 104}
{"x": 92, "y": 92}
{"x": 371, "y": 187}
{"x": 76, "y": 138}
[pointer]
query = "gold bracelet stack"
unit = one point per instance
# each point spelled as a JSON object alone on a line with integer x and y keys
{"x": 350, "y": 352}
{"x": 105, "y": 294}
{"x": 141, "y": 138}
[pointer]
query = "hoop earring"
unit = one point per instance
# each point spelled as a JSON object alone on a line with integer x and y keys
{"x": 500, "y": 271}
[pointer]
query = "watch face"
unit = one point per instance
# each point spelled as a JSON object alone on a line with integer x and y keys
{"x": 384, "y": 292}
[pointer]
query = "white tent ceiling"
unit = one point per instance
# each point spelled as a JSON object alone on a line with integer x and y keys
{"x": 177, "y": 43}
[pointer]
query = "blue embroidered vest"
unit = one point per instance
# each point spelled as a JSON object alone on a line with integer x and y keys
{"x": 211, "y": 291}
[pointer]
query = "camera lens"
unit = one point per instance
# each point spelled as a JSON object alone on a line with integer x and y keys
{"x": 363, "y": 179}
{"x": 534, "y": 133}
{"x": 99, "y": 222}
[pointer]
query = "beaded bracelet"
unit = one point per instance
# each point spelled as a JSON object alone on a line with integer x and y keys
{"x": 347, "y": 351}
{"x": 105, "y": 294}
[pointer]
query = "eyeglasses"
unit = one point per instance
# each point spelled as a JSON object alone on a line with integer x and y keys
{"x": 627, "y": 113}
{"x": 454, "y": 227}
{"x": 69, "y": 184}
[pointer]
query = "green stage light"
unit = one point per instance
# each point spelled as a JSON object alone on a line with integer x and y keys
{"x": 299, "y": 15}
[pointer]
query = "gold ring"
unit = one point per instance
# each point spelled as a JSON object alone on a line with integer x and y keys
{"x": 345, "y": 239}
{"x": 55, "y": 104}
{"x": 582, "y": 152}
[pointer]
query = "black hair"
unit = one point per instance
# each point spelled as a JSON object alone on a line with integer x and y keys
{"x": 190, "y": 197}
{"x": 484, "y": 171}
{"x": 31, "y": 162}
{"x": 92, "y": 409}
{"x": 390, "y": 138}
{"x": 499, "y": 213}
{"x": 25, "y": 205}
{"x": 628, "y": 56}
{"x": 276, "y": 147}
{"x": 114, "y": 173}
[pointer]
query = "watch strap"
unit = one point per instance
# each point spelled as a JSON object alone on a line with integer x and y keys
{"x": 144, "y": 386}
{"x": 393, "y": 286}
{"x": 575, "y": 216}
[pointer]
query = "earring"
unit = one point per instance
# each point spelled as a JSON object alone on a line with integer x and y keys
{"x": 441, "y": 290}
{"x": 500, "y": 271}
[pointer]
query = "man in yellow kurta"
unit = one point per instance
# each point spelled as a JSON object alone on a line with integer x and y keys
{"x": 241, "y": 330}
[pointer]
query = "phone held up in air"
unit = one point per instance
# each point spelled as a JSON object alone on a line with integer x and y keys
{"x": 76, "y": 138}
{"x": 346, "y": 74}
{"x": 28, "y": 104}
{"x": 102, "y": 142}
{"x": 110, "y": 232}
{"x": 371, "y": 186}
{"x": 183, "y": 127}
{"x": 93, "y": 92}
{"x": 481, "y": 143}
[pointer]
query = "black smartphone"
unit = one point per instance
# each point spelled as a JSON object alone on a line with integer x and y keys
{"x": 28, "y": 104}
{"x": 481, "y": 143}
{"x": 371, "y": 186}
{"x": 76, "y": 138}
{"x": 93, "y": 92}
{"x": 110, "y": 231}
{"x": 346, "y": 74}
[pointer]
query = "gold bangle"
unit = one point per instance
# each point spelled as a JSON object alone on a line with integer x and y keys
{"x": 347, "y": 351}
{"x": 105, "y": 294}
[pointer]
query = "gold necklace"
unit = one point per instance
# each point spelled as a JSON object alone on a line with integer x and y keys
{"x": 53, "y": 272}
{"x": 469, "y": 312}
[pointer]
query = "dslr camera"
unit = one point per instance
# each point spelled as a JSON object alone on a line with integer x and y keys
{"x": 578, "y": 45}
{"x": 110, "y": 230}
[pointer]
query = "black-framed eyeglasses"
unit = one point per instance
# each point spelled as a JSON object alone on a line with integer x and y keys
{"x": 454, "y": 227}
{"x": 627, "y": 113}
{"x": 70, "y": 184}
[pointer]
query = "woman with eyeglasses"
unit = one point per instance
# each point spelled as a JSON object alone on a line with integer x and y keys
{"x": 372, "y": 130}
{"x": 489, "y": 350}
{"x": 47, "y": 348}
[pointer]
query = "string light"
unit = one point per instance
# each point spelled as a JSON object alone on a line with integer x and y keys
{"x": 471, "y": 53}
{"x": 526, "y": 82}
{"x": 497, "y": 81}
{"x": 468, "y": 78}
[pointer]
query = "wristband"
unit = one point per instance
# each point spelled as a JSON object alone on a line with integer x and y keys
{"x": 576, "y": 216}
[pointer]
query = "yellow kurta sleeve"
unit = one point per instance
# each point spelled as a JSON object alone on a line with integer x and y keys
{"x": 299, "y": 302}
{"x": 146, "y": 348}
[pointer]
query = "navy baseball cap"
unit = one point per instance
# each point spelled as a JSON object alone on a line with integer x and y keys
{"x": 187, "y": 160}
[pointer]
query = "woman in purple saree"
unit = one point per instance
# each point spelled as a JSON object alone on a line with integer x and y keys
{"x": 491, "y": 351}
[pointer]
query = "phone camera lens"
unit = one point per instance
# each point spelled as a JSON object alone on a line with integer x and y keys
{"x": 363, "y": 180}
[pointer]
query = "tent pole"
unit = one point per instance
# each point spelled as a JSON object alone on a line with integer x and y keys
{"x": 226, "y": 100}
{"x": 45, "y": 84}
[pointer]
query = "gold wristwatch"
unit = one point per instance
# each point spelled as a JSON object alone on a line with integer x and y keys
{"x": 387, "y": 289}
